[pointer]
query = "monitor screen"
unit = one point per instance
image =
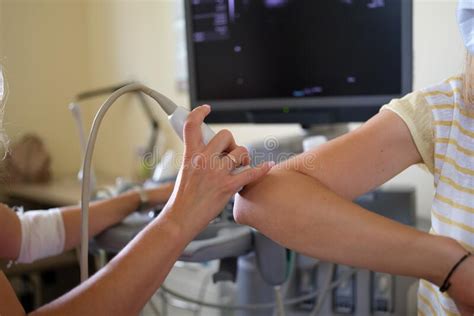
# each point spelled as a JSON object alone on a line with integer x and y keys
{"x": 278, "y": 57}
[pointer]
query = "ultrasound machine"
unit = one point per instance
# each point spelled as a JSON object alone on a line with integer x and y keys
{"x": 320, "y": 64}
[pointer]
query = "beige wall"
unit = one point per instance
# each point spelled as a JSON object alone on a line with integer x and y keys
{"x": 73, "y": 45}
{"x": 1, "y": 33}
{"x": 53, "y": 49}
{"x": 131, "y": 40}
{"x": 42, "y": 47}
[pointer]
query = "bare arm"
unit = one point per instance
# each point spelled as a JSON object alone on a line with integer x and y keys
{"x": 306, "y": 205}
{"x": 103, "y": 214}
{"x": 131, "y": 278}
{"x": 204, "y": 186}
{"x": 128, "y": 281}
{"x": 108, "y": 212}
{"x": 10, "y": 233}
{"x": 10, "y": 304}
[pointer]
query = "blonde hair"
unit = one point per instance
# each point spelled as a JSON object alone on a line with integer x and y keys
{"x": 468, "y": 83}
{"x": 3, "y": 99}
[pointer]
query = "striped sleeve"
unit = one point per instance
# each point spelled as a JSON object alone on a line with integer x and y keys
{"x": 415, "y": 111}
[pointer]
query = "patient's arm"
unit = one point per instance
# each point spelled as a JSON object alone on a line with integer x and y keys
{"x": 108, "y": 212}
{"x": 103, "y": 214}
{"x": 305, "y": 205}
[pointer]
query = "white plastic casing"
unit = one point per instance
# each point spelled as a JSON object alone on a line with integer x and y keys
{"x": 42, "y": 235}
{"x": 166, "y": 169}
{"x": 313, "y": 142}
{"x": 177, "y": 120}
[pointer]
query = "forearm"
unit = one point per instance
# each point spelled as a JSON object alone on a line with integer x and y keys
{"x": 300, "y": 213}
{"x": 131, "y": 278}
{"x": 102, "y": 215}
{"x": 106, "y": 213}
{"x": 10, "y": 304}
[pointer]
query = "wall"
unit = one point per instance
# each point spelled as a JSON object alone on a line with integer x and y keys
{"x": 131, "y": 40}
{"x": 42, "y": 47}
{"x": 85, "y": 44}
{"x": 1, "y": 33}
{"x": 79, "y": 45}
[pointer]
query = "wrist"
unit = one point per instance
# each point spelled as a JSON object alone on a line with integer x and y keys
{"x": 461, "y": 281}
{"x": 161, "y": 194}
{"x": 143, "y": 198}
{"x": 446, "y": 285}
{"x": 174, "y": 228}
{"x": 186, "y": 223}
{"x": 447, "y": 252}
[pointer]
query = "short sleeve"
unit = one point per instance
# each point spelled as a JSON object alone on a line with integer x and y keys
{"x": 415, "y": 111}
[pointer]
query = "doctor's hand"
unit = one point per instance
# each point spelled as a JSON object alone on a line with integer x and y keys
{"x": 205, "y": 182}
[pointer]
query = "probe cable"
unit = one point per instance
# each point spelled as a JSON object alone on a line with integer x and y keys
{"x": 258, "y": 306}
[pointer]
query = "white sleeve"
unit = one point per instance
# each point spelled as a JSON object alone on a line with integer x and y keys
{"x": 42, "y": 235}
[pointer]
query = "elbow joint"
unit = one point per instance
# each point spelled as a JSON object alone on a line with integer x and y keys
{"x": 241, "y": 210}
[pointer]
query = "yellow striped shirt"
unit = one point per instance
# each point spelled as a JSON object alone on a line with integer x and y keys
{"x": 442, "y": 128}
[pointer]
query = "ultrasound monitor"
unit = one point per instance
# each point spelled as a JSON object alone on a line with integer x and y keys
{"x": 300, "y": 61}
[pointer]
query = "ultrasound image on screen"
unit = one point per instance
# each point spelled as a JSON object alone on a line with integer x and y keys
{"x": 255, "y": 49}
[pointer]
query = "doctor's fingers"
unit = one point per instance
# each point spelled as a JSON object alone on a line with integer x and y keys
{"x": 236, "y": 158}
{"x": 252, "y": 174}
{"x": 192, "y": 134}
{"x": 223, "y": 142}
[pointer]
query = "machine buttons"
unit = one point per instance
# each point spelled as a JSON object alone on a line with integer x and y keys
{"x": 307, "y": 283}
{"x": 382, "y": 292}
{"x": 344, "y": 296}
